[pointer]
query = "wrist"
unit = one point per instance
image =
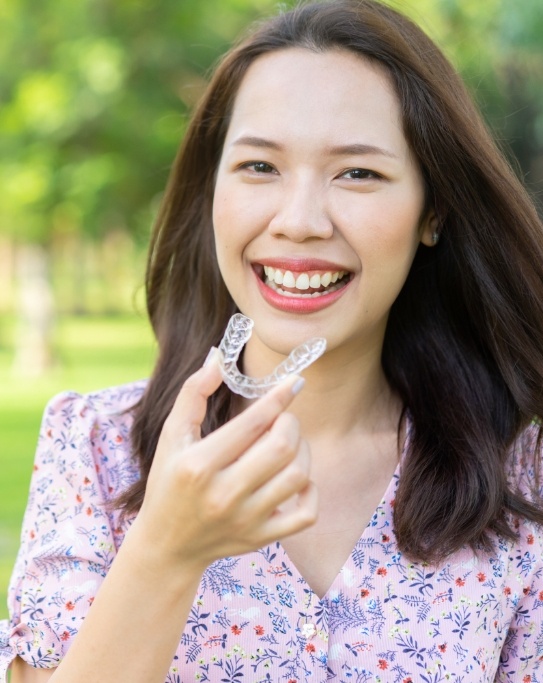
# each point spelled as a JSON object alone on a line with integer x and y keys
{"x": 157, "y": 564}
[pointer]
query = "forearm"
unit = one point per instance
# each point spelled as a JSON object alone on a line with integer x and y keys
{"x": 133, "y": 628}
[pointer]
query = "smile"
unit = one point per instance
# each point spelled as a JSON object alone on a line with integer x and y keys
{"x": 304, "y": 284}
{"x": 301, "y": 285}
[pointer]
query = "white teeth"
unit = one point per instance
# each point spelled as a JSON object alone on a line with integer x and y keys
{"x": 288, "y": 279}
{"x": 283, "y": 292}
{"x": 302, "y": 282}
{"x": 275, "y": 276}
{"x": 326, "y": 279}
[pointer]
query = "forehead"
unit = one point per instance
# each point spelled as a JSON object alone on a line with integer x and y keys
{"x": 301, "y": 94}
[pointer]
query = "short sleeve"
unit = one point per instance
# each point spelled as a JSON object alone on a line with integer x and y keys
{"x": 521, "y": 658}
{"x": 68, "y": 540}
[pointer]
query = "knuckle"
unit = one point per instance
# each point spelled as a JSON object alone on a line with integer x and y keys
{"x": 297, "y": 478}
{"x": 289, "y": 421}
{"x": 308, "y": 516}
{"x": 216, "y": 507}
{"x": 191, "y": 384}
{"x": 257, "y": 424}
{"x": 282, "y": 444}
{"x": 192, "y": 473}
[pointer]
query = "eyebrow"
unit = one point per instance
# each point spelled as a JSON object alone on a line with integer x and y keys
{"x": 353, "y": 149}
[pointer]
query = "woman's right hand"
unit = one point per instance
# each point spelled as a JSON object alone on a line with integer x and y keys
{"x": 221, "y": 495}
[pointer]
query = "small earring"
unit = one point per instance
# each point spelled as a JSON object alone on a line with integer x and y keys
{"x": 435, "y": 237}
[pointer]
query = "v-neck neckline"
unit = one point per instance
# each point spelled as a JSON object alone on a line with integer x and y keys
{"x": 387, "y": 495}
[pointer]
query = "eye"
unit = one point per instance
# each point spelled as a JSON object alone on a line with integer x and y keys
{"x": 359, "y": 174}
{"x": 260, "y": 167}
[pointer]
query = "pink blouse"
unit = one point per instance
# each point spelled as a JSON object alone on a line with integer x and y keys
{"x": 254, "y": 618}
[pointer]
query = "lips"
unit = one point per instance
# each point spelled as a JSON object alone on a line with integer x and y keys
{"x": 301, "y": 285}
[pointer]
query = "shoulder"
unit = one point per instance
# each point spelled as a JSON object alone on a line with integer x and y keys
{"x": 525, "y": 464}
{"x": 89, "y": 433}
{"x": 106, "y": 402}
{"x": 73, "y": 413}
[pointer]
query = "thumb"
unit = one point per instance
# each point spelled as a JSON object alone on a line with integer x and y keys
{"x": 190, "y": 407}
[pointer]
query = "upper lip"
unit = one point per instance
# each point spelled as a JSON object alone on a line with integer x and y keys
{"x": 300, "y": 265}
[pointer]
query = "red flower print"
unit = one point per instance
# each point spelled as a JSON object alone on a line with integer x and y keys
{"x": 97, "y": 467}
{"x": 381, "y": 571}
{"x": 540, "y": 596}
{"x": 383, "y": 664}
{"x": 69, "y": 605}
{"x": 407, "y": 680}
{"x": 385, "y": 538}
{"x": 481, "y": 577}
{"x": 310, "y": 647}
{"x": 259, "y": 630}
{"x": 460, "y": 582}
{"x": 89, "y": 511}
{"x": 530, "y": 539}
{"x": 525, "y": 591}
{"x": 292, "y": 680}
{"x": 364, "y": 592}
{"x": 118, "y": 438}
{"x": 235, "y": 629}
{"x": 78, "y": 498}
{"x": 527, "y": 679}
{"x": 32, "y": 534}
{"x": 87, "y": 481}
{"x": 442, "y": 647}
{"x": 65, "y": 636}
{"x": 507, "y": 591}
{"x": 91, "y": 600}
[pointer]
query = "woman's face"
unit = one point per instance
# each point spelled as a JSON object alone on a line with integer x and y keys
{"x": 318, "y": 201}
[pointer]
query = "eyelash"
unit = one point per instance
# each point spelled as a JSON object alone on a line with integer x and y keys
{"x": 368, "y": 175}
{"x": 252, "y": 166}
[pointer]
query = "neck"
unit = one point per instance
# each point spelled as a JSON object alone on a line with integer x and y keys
{"x": 344, "y": 395}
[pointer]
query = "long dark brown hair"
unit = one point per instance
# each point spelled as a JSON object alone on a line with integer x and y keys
{"x": 463, "y": 346}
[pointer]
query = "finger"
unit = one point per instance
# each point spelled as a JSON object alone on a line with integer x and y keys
{"x": 294, "y": 520}
{"x": 289, "y": 482}
{"x": 272, "y": 452}
{"x": 231, "y": 440}
{"x": 190, "y": 407}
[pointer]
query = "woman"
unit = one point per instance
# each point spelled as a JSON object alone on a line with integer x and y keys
{"x": 334, "y": 154}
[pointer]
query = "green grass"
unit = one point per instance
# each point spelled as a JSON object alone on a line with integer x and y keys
{"x": 91, "y": 352}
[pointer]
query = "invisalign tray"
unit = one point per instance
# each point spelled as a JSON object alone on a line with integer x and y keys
{"x": 237, "y": 333}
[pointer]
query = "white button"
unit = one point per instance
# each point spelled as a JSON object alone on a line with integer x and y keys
{"x": 309, "y": 630}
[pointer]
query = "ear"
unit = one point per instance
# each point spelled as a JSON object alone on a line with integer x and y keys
{"x": 429, "y": 229}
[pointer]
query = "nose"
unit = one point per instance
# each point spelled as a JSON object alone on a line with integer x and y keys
{"x": 301, "y": 212}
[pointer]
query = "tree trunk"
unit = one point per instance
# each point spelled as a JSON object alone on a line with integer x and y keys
{"x": 35, "y": 312}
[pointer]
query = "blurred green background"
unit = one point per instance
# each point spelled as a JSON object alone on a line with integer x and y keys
{"x": 94, "y": 99}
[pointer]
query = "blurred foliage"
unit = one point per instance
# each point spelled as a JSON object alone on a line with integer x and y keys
{"x": 94, "y": 97}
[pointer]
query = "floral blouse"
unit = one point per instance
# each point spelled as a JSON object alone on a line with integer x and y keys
{"x": 254, "y": 618}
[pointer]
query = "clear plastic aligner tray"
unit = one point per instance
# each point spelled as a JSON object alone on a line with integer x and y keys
{"x": 237, "y": 333}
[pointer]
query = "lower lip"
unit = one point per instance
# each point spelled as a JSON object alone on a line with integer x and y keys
{"x": 298, "y": 305}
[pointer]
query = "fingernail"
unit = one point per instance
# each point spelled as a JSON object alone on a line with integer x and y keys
{"x": 210, "y": 355}
{"x": 298, "y": 385}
